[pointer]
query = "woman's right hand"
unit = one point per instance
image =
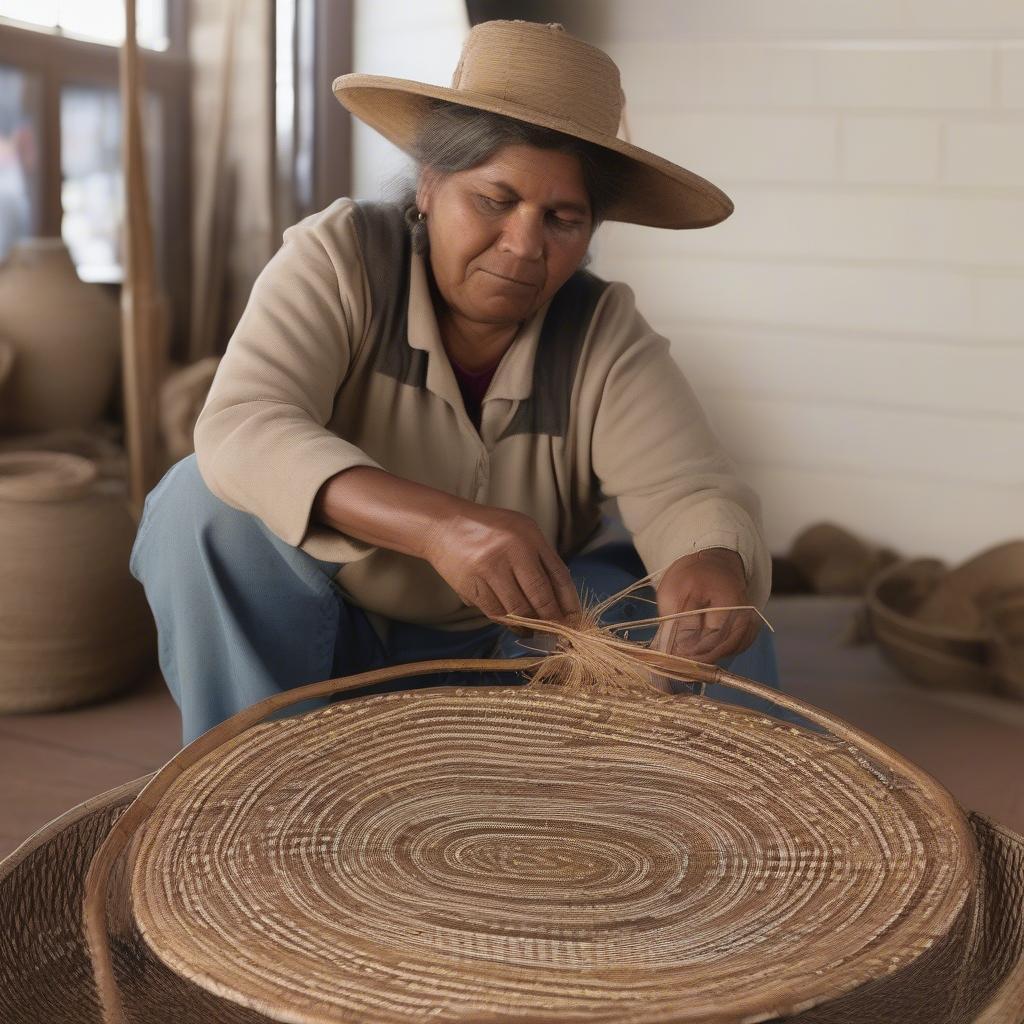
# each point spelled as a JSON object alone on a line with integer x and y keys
{"x": 499, "y": 561}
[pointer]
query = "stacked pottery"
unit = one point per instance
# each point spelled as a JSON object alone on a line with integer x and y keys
{"x": 64, "y": 338}
{"x": 74, "y": 625}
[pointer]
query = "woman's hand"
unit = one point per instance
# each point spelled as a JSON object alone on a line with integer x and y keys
{"x": 710, "y": 578}
{"x": 500, "y": 562}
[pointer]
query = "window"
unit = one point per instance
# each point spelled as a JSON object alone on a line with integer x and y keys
{"x": 99, "y": 20}
{"x": 60, "y": 132}
{"x": 20, "y": 116}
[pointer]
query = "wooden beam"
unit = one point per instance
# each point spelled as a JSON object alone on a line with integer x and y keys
{"x": 141, "y": 317}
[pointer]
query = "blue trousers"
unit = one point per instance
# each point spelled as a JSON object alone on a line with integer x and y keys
{"x": 241, "y": 615}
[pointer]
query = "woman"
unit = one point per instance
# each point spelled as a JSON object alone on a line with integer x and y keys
{"x": 424, "y": 404}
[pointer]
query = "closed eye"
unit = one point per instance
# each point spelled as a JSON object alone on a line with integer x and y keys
{"x": 567, "y": 225}
{"x": 493, "y": 204}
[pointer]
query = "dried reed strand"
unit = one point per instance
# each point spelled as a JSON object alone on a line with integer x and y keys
{"x": 589, "y": 657}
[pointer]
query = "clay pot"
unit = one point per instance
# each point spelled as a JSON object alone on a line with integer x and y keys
{"x": 66, "y": 337}
{"x": 74, "y": 625}
{"x": 96, "y": 444}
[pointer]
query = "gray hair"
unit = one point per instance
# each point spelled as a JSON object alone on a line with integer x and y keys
{"x": 455, "y": 138}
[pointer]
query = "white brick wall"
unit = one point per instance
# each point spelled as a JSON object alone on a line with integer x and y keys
{"x": 856, "y": 329}
{"x": 1011, "y": 75}
{"x": 406, "y": 39}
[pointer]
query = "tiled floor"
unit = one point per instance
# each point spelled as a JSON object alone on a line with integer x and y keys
{"x": 973, "y": 744}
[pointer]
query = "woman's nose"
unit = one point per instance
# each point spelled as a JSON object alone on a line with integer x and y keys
{"x": 524, "y": 235}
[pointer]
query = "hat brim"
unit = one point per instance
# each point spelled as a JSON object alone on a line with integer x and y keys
{"x": 659, "y": 193}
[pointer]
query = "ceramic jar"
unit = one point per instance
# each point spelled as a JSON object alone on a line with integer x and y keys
{"x": 74, "y": 624}
{"x": 97, "y": 444}
{"x": 65, "y": 335}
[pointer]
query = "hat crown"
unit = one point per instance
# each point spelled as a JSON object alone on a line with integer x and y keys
{"x": 543, "y": 68}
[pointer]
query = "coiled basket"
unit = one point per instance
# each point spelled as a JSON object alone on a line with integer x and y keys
{"x": 519, "y": 853}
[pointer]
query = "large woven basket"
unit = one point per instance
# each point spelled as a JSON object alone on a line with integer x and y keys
{"x": 45, "y": 973}
{"x": 511, "y": 853}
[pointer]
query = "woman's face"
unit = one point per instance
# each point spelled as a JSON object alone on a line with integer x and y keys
{"x": 507, "y": 234}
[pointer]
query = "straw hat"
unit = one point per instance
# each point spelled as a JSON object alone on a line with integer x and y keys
{"x": 542, "y": 75}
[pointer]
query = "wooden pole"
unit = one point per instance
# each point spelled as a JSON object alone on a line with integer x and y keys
{"x": 141, "y": 319}
{"x": 209, "y": 279}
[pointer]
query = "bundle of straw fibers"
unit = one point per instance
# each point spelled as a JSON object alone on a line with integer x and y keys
{"x": 555, "y": 852}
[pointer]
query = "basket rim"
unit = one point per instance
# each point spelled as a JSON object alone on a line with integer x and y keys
{"x": 73, "y": 814}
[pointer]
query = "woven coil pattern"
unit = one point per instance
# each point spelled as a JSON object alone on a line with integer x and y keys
{"x": 499, "y": 853}
{"x": 547, "y": 70}
{"x": 45, "y": 973}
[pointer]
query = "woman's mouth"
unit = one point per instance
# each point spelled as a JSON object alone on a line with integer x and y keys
{"x": 509, "y": 280}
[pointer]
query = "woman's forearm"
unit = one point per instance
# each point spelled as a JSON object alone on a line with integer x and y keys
{"x": 385, "y": 510}
{"x": 496, "y": 559}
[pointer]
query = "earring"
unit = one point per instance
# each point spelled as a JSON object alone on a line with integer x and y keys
{"x": 419, "y": 215}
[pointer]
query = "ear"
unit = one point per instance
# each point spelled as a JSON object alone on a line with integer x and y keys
{"x": 425, "y": 188}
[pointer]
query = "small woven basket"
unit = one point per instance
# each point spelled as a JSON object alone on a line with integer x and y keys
{"x": 1006, "y": 621}
{"x": 936, "y": 654}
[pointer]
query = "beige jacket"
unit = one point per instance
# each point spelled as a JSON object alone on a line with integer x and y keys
{"x": 338, "y": 362}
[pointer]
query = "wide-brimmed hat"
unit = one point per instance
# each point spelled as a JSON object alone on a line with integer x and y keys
{"x": 542, "y": 75}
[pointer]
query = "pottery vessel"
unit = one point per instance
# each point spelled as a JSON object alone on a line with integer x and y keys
{"x": 65, "y": 335}
{"x": 97, "y": 444}
{"x": 74, "y": 624}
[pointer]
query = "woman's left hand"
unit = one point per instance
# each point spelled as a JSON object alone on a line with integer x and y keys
{"x": 710, "y": 578}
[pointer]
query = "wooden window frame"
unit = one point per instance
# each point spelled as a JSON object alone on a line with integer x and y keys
{"x": 56, "y": 60}
{"x": 318, "y": 56}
